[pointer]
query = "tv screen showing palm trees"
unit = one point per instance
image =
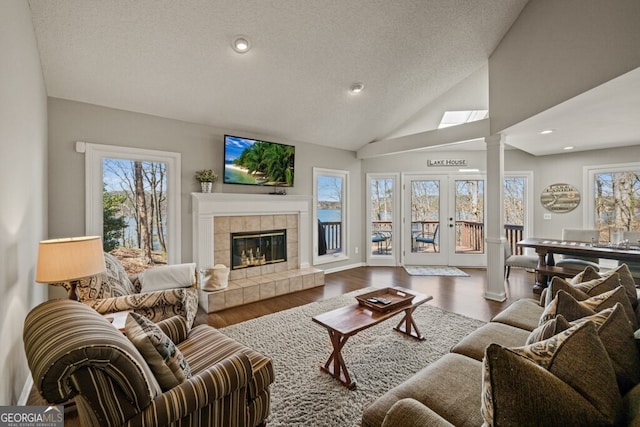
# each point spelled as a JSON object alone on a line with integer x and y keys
{"x": 254, "y": 162}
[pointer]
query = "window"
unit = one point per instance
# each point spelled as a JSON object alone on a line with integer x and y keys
{"x": 517, "y": 203}
{"x": 132, "y": 201}
{"x": 613, "y": 197}
{"x": 382, "y": 213}
{"x": 330, "y": 215}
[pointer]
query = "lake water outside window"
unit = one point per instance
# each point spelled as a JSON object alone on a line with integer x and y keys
{"x": 330, "y": 212}
{"x": 135, "y": 212}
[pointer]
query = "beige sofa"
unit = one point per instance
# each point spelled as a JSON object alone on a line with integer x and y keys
{"x": 525, "y": 368}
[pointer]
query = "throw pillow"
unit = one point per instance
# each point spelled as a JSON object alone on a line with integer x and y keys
{"x": 163, "y": 357}
{"x": 572, "y": 309}
{"x": 567, "y": 378}
{"x": 589, "y": 270}
{"x": 114, "y": 282}
{"x": 626, "y": 280}
{"x": 548, "y": 329}
{"x": 582, "y": 290}
{"x": 616, "y": 335}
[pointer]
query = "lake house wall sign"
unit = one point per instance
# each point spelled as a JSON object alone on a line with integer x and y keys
{"x": 560, "y": 198}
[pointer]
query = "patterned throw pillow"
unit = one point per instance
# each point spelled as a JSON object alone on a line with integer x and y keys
{"x": 114, "y": 282}
{"x": 163, "y": 357}
{"x": 548, "y": 329}
{"x": 616, "y": 335}
{"x": 582, "y": 290}
{"x": 567, "y": 378}
{"x": 572, "y": 309}
{"x": 626, "y": 280}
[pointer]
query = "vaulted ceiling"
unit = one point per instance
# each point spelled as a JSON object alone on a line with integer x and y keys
{"x": 174, "y": 59}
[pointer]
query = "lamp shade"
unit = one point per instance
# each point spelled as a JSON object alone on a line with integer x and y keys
{"x": 71, "y": 258}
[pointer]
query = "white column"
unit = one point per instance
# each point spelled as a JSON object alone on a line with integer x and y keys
{"x": 495, "y": 238}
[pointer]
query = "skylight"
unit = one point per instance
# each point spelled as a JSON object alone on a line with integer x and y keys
{"x": 454, "y": 118}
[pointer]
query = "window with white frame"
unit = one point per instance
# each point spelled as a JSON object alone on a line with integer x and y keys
{"x": 133, "y": 202}
{"x": 330, "y": 215}
{"x": 613, "y": 199}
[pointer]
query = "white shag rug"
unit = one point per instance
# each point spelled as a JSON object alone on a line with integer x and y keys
{"x": 379, "y": 358}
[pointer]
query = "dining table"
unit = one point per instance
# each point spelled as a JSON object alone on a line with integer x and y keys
{"x": 546, "y": 248}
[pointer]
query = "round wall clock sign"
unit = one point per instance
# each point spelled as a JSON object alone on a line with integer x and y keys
{"x": 560, "y": 198}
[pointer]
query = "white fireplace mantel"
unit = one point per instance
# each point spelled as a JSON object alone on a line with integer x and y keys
{"x": 206, "y": 206}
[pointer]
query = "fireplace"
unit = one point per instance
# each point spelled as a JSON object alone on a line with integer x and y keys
{"x": 250, "y": 249}
{"x": 217, "y": 216}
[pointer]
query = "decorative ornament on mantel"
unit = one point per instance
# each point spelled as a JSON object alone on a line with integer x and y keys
{"x": 206, "y": 177}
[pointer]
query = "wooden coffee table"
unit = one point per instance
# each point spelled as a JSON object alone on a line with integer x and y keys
{"x": 347, "y": 321}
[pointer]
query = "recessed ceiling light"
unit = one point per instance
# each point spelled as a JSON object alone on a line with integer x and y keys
{"x": 547, "y": 131}
{"x": 241, "y": 44}
{"x": 568, "y": 148}
{"x": 356, "y": 87}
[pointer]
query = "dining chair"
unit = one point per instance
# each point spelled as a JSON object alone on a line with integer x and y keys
{"x": 634, "y": 239}
{"x": 522, "y": 261}
{"x": 574, "y": 261}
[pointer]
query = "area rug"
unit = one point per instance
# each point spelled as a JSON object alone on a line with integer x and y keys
{"x": 434, "y": 271}
{"x": 379, "y": 358}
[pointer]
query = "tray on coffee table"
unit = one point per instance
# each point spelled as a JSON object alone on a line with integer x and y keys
{"x": 385, "y": 299}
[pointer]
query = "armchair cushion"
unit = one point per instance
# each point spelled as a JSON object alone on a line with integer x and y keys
{"x": 163, "y": 357}
{"x": 155, "y": 306}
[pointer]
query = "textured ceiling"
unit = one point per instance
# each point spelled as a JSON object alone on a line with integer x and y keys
{"x": 174, "y": 59}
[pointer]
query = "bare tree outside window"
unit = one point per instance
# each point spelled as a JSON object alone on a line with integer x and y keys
{"x": 617, "y": 207}
{"x": 138, "y": 207}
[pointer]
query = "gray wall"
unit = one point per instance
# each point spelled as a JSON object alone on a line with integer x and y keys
{"x": 201, "y": 147}
{"x": 556, "y": 50}
{"x": 23, "y": 198}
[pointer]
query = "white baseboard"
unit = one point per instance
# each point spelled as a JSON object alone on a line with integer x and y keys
{"x": 26, "y": 391}
{"x": 344, "y": 267}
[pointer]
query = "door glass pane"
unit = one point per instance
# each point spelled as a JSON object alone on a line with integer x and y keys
{"x": 134, "y": 200}
{"x": 382, "y": 216}
{"x": 425, "y": 214}
{"x": 514, "y": 214}
{"x": 330, "y": 212}
{"x": 469, "y": 216}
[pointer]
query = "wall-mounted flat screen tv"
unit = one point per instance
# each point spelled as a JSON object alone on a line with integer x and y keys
{"x": 254, "y": 162}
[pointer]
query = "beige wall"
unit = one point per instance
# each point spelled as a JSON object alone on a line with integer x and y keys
{"x": 23, "y": 167}
{"x": 200, "y": 147}
{"x": 556, "y": 50}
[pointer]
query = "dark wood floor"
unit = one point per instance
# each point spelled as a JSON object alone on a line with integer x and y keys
{"x": 463, "y": 295}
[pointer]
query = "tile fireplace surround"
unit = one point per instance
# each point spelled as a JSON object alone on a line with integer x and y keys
{"x": 217, "y": 215}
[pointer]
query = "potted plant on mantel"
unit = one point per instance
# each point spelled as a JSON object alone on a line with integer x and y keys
{"x": 206, "y": 177}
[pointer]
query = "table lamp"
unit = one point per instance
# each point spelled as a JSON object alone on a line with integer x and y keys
{"x": 69, "y": 260}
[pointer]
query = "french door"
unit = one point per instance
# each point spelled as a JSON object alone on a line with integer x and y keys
{"x": 443, "y": 220}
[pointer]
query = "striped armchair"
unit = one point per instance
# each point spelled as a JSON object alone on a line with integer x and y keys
{"x": 114, "y": 291}
{"x": 74, "y": 353}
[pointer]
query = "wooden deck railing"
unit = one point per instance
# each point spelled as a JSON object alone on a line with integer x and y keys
{"x": 469, "y": 234}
